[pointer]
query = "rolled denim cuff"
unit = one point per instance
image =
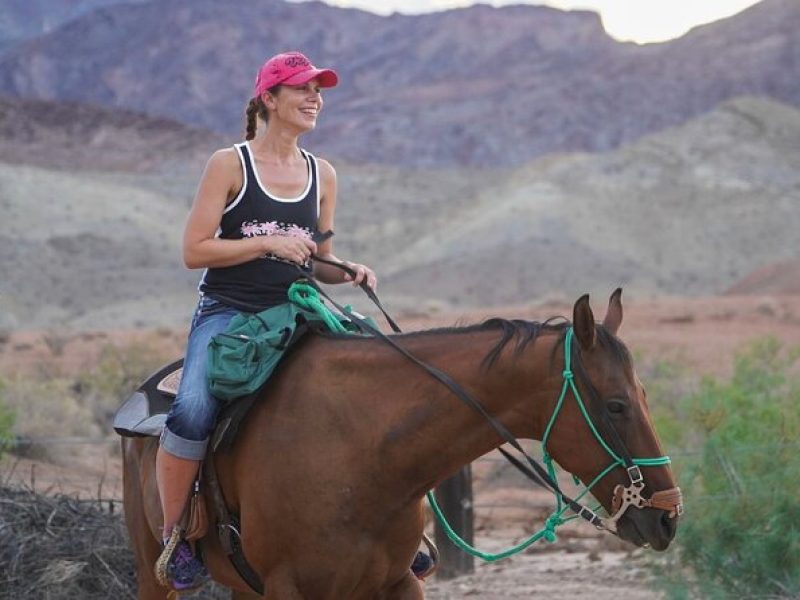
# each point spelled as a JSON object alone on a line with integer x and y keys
{"x": 181, "y": 447}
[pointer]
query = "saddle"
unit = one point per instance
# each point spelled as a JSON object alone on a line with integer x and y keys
{"x": 144, "y": 412}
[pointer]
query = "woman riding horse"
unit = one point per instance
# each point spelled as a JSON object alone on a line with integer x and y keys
{"x": 256, "y": 208}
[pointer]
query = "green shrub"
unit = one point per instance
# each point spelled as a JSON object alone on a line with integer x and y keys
{"x": 120, "y": 370}
{"x": 46, "y": 408}
{"x": 740, "y": 536}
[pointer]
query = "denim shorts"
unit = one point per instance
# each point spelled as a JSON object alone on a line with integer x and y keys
{"x": 192, "y": 415}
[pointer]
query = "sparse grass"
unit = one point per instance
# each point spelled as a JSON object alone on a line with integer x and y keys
{"x": 118, "y": 373}
{"x": 667, "y": 384}
{"x": 56, "y": 547}
{"x": 51, "y": 404}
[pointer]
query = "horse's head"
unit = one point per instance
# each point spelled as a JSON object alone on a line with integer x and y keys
{"x": 615, "y": 432}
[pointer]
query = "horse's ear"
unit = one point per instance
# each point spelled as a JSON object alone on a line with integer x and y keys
{"x": 583, "y": 323}
{"x": 614, "y": 314}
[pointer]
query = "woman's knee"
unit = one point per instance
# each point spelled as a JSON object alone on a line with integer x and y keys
{"x": 192, "y": 415}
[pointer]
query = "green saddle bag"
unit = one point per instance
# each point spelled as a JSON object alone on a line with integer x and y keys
{"x": 241, "y": 359}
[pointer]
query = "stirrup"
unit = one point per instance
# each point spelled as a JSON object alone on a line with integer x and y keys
{"x": 166, "y": 555}
{"x": 166, "y": 563}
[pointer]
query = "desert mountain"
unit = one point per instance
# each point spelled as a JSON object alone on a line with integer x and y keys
{"x": 24, "y": 19}
{"x": 476, "y": 86}
{"x": 689, "y": 210}
{"x": 782, "y": 278}
{"x": 68, "y": 135}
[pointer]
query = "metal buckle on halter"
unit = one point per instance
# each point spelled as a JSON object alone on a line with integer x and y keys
{"x": 635, "y": 473}
{"x": 592, "y": 517}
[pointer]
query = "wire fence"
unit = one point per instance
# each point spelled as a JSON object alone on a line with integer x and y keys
{"x": 106, "y": 485}
{"x": 55, "y": 441}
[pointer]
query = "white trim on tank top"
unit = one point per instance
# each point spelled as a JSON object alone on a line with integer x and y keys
{"x": 240, "y": 195}
{"x": 315, "y": 167}
{"x": 302, "y": 195}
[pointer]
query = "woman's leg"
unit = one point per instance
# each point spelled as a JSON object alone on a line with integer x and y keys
{"x": 191, "y": 418}
{"x": 175, "y": 477}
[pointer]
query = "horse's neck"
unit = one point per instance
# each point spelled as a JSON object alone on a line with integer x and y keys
{"x": 427, "y": 433}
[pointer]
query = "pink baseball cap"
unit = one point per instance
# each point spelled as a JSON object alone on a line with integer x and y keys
{"x": 292, "y": 68}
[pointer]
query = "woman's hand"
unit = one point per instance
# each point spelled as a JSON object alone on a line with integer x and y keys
{"x": 294, "y": 249}
{"x": 363, "y": 273}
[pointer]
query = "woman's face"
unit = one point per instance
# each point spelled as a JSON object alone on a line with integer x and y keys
{"x": 297, "y": 105}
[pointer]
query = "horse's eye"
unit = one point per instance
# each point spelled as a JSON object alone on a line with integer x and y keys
{"x": 616, "y": 407}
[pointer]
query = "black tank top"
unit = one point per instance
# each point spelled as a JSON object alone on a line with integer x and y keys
{"x": 261, "y": 283}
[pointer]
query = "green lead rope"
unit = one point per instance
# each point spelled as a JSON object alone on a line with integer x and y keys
{"x": 307, "y": 298}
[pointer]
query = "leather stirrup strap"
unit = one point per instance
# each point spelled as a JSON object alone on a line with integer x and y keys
{"x": 229, "y": 532}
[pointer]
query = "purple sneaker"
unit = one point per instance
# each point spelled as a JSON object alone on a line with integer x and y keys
{"x": 185, "y": 570}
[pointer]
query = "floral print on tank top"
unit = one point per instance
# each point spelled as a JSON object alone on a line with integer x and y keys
{"x": 254, "y": 228}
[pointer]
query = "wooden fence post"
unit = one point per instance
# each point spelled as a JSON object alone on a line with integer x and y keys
{"x": 454, "y": 496}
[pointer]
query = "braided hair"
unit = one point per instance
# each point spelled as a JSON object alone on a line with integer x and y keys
{"x": 257, "y": 108}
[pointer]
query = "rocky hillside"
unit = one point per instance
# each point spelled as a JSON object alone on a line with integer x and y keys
{"x": 782, "y": 278}
{"x": 478, "y": 86}
{"x": 68, "y": 135}
{"x": 24, "y": 19}
{"x": 687, "y": 211}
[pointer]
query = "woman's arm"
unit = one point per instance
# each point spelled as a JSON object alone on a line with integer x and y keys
{"x": 327, "y": 207}
{"x": 221, "y": 181}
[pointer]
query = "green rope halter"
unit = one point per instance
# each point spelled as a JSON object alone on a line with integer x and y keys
{"x": 556, "y": 518}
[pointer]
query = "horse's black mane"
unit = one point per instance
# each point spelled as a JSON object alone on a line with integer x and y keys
{"x": 525, "y": 332}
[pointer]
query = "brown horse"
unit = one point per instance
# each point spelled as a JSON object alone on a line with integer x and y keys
{"x": 329, "y": 472}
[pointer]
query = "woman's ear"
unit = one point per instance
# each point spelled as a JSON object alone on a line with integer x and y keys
{"x": 268, "y": 100}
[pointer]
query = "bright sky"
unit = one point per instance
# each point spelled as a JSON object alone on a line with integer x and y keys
{"x": 640, "y": 21}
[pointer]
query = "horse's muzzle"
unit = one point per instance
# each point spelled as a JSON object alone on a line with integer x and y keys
{"x": 658, "y": 528}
